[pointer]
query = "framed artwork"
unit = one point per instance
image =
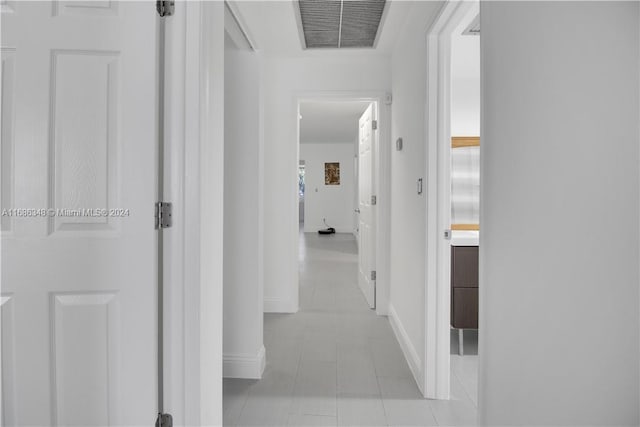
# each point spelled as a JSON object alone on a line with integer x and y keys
{"x": 332, "y": 173}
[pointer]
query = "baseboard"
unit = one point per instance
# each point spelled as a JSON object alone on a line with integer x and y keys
{"x": 407, "y": 347}
{"x": 243, "y": 365}
{"x": 279, "y": 305}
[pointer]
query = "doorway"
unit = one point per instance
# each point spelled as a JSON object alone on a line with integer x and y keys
{"x": 337, "y": 173}
{"x": 453, "y": 204}
{"x": 465, "y": 205}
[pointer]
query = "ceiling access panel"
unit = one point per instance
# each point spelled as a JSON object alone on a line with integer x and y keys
{"x": 320, "y": 22}
{"x": 339, "y": 24}
{"x": 360, "y": 22}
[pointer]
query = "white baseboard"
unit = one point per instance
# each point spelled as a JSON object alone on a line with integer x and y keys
{"x": 407, "y": 347}
{"x": 279, "y": 305}
{"x": 244, "y": 365}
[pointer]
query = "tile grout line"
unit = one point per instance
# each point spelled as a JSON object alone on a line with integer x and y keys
{"x": 336, "y": 352}
{"x": 435, "y": 417}
{"x": 375, "y": 370}
{"x": 464, "y": 389}
{"x": 295, "y": 377}
{"x": 244, "y": 404}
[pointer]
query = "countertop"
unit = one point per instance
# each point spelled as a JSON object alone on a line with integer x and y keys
{"x": 465, "y": 238}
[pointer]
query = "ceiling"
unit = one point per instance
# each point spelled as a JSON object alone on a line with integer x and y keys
{"x": 272, "y": 27}
{"x": 330, "y": 122}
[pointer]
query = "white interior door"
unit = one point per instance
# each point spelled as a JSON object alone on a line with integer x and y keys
{"x": 367, "y": 240}
{"x": 78, "y": 288}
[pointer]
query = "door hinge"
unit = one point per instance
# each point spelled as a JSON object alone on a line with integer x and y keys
{"x": 165, "y": 7}
{"x": 164, "y": 420}
{"x": 374, "y": 124}
{"x": 164, "y": 215}
{"x": 373, "y": 275}
{"x": 374, "y": 200}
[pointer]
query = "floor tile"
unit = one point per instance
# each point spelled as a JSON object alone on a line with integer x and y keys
{"x": 265, "y": 411}
{"x": 319, "y": 346}
{"x": 408, "y": 413}
{"x": 312, "y": 421}
{"x": 453, "y": 413}
{"x": 465, "y": 368}
{"x": 399, "y": 388}
{"x": 404, "y": 404}
{"x": 458, "y": 411}
{"x": 356, "y": 370}
{"x": 336, "y": 362}
{"x": 388, "y": 359}
{"x": 235, "y": 393}
{"x": 360, "y": 410}
{"x": 315, "y": 389}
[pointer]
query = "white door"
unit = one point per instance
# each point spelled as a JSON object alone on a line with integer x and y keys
{"x": 78, "y": 288}
{"x": 367, "y": 240}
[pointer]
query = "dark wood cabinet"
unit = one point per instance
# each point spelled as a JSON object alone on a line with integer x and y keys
{"x": 464, "y": 287}
{"x": 464, "y": 308}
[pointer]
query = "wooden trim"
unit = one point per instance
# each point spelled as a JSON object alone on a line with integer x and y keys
{"x": 465, "y": 141}
{"x": 465, "y": 227}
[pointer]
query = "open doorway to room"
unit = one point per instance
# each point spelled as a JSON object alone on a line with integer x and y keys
{"x": 453, "y": 223}
{"x": 465, "y": 204}
{"x": 336, "y": 173}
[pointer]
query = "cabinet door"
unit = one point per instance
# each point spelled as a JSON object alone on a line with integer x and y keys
{"x": 464, "y": 310}
{"x": 464, "y": 266}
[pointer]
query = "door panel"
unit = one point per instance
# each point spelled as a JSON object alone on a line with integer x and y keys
{"x": 367, "y": 216}
{"x": 79, "y": 271}
{"x": 6, "y": 124}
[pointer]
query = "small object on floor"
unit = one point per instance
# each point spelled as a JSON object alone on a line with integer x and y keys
{"x": 329, "y": 230}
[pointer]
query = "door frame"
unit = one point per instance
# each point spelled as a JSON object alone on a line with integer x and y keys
{"x": 381, "y": 184}
{"x": 437, "y": 296}
{"x": 194, "y": 134}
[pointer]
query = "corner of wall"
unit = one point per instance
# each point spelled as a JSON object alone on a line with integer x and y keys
{"x": 280, "y": 305}
{"x": 244, "y": 365}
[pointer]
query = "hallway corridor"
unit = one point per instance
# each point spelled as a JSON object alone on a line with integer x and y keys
{"x": 336, "y": 362}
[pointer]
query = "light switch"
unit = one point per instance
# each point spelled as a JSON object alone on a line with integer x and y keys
{"x": 399, "y": 144}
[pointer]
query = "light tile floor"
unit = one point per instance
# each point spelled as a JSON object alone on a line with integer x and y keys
{"x": 336, "y": 362}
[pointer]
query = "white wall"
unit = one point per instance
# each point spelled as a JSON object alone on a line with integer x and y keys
{"x": 243, "y": 344}
{"x": 333, "y": 202}
{"x": 286, "y": 78}
{"x": 559, "y": 341}
{"x": 407, "y": 207}
{"x": 465, "y": 84}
